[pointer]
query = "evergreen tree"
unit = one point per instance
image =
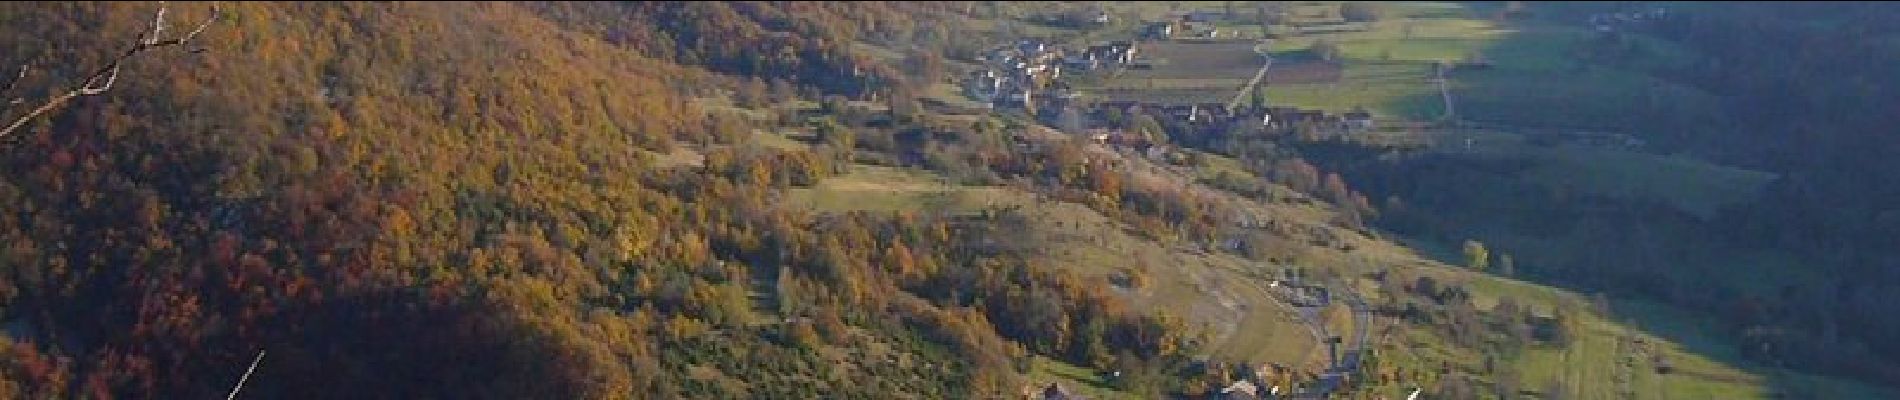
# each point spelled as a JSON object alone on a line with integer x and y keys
{"x": 1476, "y": 257}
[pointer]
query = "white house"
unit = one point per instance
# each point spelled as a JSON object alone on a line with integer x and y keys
{"x": 1161, "y": 29}
{"x": 1358, "y": 120}
{"x": 1241, "y": 388}
{"x": 1031, "y": 48}
{"x": 1084, "y": 63}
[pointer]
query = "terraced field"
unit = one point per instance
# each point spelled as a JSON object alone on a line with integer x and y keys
{"x": 1212, "y": 290}
{"x": 1386, "y": 67}
{"x": 1185, "y": 71}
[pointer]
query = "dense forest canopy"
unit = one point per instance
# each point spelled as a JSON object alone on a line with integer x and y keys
{"x": 1811, "y": 90}
{"x": 462, "y": 200}
{"x": 1820, "y": 112}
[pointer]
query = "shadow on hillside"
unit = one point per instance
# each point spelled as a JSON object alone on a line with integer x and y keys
{"x": 1494, "y": 207}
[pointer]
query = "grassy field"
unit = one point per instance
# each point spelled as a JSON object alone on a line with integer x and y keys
{"x": 1220, "y": 293}
{"x": 1388, "y": 90}
{"x": 1386, "y": 68}
{"x": 1539, "y": 80}
{"x": 1537, "y": 77}
{"x": 1536, "y": 80}
{"x": 1594, "y": 365}
{"x": 1691, "y": 185}
{"x": 1184, "y": 71}
{"x": 1224, "y": 59}
{"x": 1077, "y": 380}
{"x": 874, "y": 188}
{"x": 1694, "y": 186}
{"x": 1213, "y": 291}
{"x": 1303, "y": 72}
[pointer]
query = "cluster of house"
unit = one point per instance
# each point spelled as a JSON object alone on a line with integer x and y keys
{"x": 1197, "y": 24}
{"x": 1215, "y": 119}
{"x": 1254, "y": 384}
{"x": 1013, "y": 74}
{"x": 1215, "y": 115}
{"x": 1609, "y": 22}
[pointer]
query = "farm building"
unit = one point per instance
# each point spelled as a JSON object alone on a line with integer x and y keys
{"x": 1358, "y": 120}
{"x": 1159, "y": 30}
{"x": 1202, "y": 29}
{"x": 1081, "y": 63}
{"x": 1183, "y": 111}
{"x": 1217, "y": 109}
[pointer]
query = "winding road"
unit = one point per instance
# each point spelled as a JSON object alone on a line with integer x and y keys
{"x": 1335, "y": 375}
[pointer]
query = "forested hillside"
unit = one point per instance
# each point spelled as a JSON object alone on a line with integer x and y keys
{"x": 1825, "y": 119}
{"x": 463, "y": 200}
{"x": 1819, "y": 109}
{"x": 1810, "y": 96}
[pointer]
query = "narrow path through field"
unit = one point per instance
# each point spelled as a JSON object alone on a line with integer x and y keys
{"x": 1252, "y": 83}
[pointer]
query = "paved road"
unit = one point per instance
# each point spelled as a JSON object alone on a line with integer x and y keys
{"x": 1348, "y": 362}
{"x": 1317, "y": 330}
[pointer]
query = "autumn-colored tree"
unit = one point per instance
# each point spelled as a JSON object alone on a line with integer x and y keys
{"x": 1476, "y": 257}
{"x": 426, "y": 170}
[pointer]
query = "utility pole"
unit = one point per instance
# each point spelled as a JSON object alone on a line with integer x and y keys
{"x": 1444, "y": 91}
{"x": 1332, "y": 352}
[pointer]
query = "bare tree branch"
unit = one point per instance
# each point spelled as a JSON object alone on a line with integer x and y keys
{"x": 89, "y": 89}
{"x": 158, "y": 25}
{"x": 247, "y": 376}
{"x": 15, "y": 81}
{"x": 101, "y": 79}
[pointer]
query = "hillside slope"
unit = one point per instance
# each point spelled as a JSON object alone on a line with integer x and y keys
{"x": 443, "y": 200}
{"x": 698, "y": 200}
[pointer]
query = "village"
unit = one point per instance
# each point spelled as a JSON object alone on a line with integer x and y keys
{"x": 1033, "y": 77}
{"x": 1058, "y": 85}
